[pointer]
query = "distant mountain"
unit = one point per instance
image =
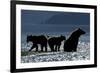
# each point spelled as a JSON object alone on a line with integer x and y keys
{"x": 69, "y": 18}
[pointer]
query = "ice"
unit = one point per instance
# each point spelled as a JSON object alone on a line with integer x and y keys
{"x": 83, "y": 53}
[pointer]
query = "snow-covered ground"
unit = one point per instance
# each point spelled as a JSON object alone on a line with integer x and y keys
{"x": 83, "y": 53}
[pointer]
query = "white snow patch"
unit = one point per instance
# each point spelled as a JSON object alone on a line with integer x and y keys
{"x": 83, "y": 53}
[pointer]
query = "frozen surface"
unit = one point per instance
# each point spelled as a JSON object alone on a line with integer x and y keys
{"x": 83, "y": 53}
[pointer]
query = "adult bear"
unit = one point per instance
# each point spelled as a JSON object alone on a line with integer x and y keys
{"x": 70, "y": 45}
{"x": 41, "y": 40}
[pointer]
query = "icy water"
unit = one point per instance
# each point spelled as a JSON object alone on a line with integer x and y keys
{"x": 83, "y": 53}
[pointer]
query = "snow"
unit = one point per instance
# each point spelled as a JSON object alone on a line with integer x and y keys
{"x": 83, "y": 53}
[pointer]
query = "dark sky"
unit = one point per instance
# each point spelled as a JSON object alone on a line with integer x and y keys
{"x": 38, "y": 22}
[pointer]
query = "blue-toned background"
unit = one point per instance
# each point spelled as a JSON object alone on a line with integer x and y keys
{"x": 53, "y": 23}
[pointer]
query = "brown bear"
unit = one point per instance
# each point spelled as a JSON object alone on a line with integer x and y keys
{"x": 70, "y": 45}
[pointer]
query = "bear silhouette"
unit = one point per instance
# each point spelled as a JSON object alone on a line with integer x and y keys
{"x": 70, "y": 45}
{"x": 55, "y": 42}
{"x": 42, "y": 40}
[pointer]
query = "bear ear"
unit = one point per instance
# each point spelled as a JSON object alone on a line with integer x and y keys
{"x": 79, "y": 29}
